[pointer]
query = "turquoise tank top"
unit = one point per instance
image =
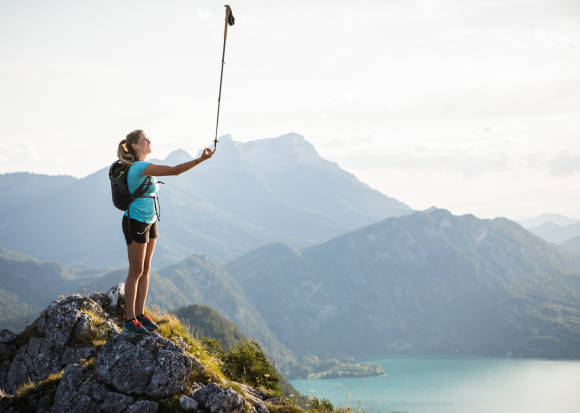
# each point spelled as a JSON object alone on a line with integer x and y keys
{"x": 142, "y": 209}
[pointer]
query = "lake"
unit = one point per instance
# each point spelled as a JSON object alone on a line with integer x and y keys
{"x": 457, "y": 385}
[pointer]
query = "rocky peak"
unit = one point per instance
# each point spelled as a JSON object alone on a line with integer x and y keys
{"x": 74, "y": 358}
{"x": 177, "y": 156}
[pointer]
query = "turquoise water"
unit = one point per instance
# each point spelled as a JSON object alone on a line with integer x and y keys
{"x": 457, "y": 385}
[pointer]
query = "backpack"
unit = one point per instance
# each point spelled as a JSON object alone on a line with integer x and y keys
{"x": 122, "y": 198}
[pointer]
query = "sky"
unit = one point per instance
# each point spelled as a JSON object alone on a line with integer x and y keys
{"x": 472, "y": 106}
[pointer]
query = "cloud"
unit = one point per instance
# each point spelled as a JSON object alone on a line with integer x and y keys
{"x": 564, "y": 164}
{"x": 420, "y": 157}
{"x": 203, "y": 14}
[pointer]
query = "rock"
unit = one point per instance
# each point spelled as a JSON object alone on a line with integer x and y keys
{"x": 254, "y": 397}
{"x": 7, "y": 336}
{"x": 116, "y": 402}
{"x": 50, "y": 345}
{"x": 59, "y": 320}
{"x": 74, "y": 354}
{"x": 218, "y": 399}
{"x": 277, "y": 401}
{"x": 144, "y": 406}
{"x": 6, "y": 350}
{"x": 187, "y": 403}
{"x": 4, "y": 366}
{"x": 77, "y": 391}
{"x": 116, "y": 295}
{"x": 66, "y": 392}
{"x": 83, "y": 328}
{"x": 148, "y": 365}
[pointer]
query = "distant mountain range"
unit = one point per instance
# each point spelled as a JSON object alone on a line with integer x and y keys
{"x": 557, "y": 219}
{"x": 27, "y": 285}
{"x": 426, "y": 283}
{"x": 555, "y": 233}
{"x": 248, "y": 195}
{"x": 572, "y": 245}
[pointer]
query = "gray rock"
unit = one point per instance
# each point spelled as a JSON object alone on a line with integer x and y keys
{"x": 50, "y": 348}
{"x": 148, "y": 365}
{"x": 4, "y": 366}
{"x": 277, "y": 401}
{"x": 58, "y": 321}
{"x": 116, "y": 402}
{"x": 218, "y": 399}
{"x": 77, "y": 388}
{"x": 187, "y": 403}
{"x": 116, "y": 295}
{"x": 66, "y": 393}
{"x": 143, "y": 406}
{"x": 83, "y": 328}
{"x": 74, "y": 354}
{"x": 254, "y": 397}
{"x": 7, "y": 336}
{"x": 6, "y": 349}
{"x": 34, "y": 360}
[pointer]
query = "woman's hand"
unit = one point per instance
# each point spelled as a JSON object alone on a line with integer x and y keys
{"x": 206, "y": 154}
{"x": 164, "y": 170}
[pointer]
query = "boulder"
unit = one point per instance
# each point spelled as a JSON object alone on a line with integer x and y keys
{"x": 54, "y": 340}
{"x": 78, "y": 392}
{"x": 188, "y": 404}
{"x": 147, "y": 365}
{"x": 217, "y": 399}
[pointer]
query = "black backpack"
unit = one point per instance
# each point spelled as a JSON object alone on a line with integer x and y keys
{"x": 122, "y": 198}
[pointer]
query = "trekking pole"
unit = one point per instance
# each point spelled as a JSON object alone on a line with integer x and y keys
{"x": 230, "y": 20}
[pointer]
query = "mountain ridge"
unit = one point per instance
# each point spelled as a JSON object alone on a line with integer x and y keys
{"x": 419, "y": 284}
{"x": 300, "y": 203}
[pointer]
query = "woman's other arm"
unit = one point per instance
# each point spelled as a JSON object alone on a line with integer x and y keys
{"x": 165, "y": 170}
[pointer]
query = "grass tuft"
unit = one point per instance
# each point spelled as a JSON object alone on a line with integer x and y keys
{"x": 171, "y": 328}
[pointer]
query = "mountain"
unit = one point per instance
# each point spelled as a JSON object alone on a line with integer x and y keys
{"x": 204, "y": 321}
{"x": 27, "y": 285}
{"x": 555, "y": 233}
{"x": 557, "y": 219}
{"x": 248, "y": 195}
{"x": 572, "y": 245}
{"x": 426, "y": 283}
{"x": 21, "y": 188}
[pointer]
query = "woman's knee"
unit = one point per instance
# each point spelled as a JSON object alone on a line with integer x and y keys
{"x": 146, "y": 269}
{"x": 135, "y": 272}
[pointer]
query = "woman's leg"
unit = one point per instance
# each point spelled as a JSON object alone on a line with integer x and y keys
{"x": 136, "y": 252}
{"x": 143, "y": 283}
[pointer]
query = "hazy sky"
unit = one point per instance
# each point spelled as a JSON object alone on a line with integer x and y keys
{"x": 470, "y": 105}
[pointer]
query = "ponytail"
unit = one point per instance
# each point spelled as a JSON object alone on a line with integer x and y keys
{"x": 125, "y": 151}
{"x": 123, "y": 154}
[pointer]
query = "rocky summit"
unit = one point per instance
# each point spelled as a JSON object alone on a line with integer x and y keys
{"x": 74, "y": 358}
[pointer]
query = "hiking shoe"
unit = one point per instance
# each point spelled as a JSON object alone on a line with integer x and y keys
{"x": 147, "y": 322}
{"x": 134, "y": 327}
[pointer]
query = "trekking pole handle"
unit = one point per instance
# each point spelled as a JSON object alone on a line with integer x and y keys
{"x": 228, "y": 14}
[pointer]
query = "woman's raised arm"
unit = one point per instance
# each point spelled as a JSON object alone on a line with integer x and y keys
{"x": 165, "y": 170}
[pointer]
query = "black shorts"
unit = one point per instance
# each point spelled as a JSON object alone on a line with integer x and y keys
{"x": 140, "y": 231}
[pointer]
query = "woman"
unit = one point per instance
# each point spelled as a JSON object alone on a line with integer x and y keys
{"x": 141, "y": 234}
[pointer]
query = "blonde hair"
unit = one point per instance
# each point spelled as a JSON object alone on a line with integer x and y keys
{"x": 125, "y": 151}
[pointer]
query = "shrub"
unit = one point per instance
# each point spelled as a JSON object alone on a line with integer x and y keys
{"x": 247, "y": 363}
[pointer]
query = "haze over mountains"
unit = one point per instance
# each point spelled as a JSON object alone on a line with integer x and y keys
{"x": 556, "y": 229}
{"x": 248, "y": 195}
{"x": 317, "y": 262}
{"x": 557, "y": 219}
{"x": 426, "y": 283}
